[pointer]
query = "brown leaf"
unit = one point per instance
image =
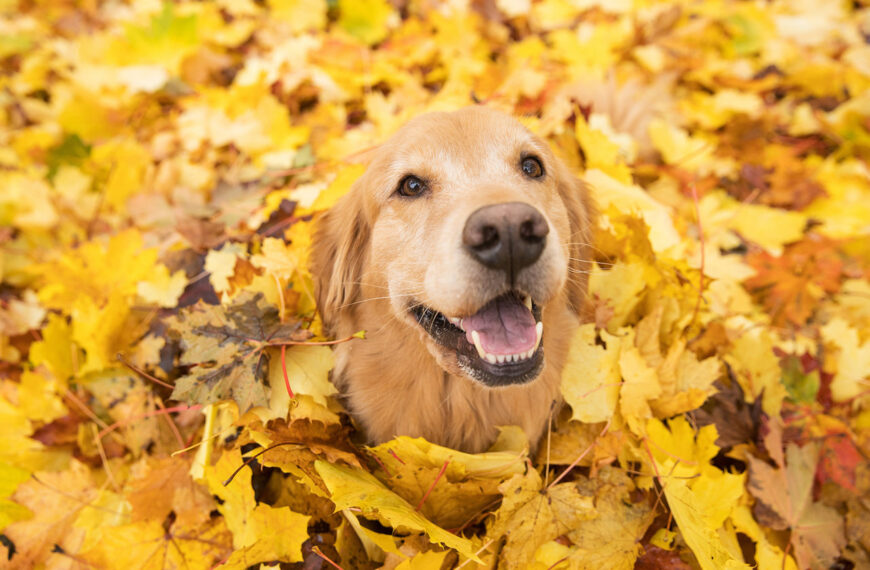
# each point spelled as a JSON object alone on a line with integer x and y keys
{"x": 226, "y": 346}
{"x": 655, "y": 558}
{"x": 736, "y": 421}
{"x": 784, "y": 502}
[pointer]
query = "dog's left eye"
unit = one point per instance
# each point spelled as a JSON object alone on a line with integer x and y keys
{"x": 411, "y": 186}
{"x": 532, "y": 167}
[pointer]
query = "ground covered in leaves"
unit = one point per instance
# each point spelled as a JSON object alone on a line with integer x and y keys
{"x": 161, "y": 166}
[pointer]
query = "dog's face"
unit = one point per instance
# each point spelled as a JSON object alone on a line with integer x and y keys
{"x": 470, "y": 227}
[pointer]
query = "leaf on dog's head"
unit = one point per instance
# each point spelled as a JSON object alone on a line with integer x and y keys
{"x": 226, "y": 347}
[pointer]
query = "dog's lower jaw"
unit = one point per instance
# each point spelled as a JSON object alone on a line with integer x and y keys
{"x": 417, "y": 396}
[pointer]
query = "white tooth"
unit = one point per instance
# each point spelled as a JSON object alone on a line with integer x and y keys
{"x": 476, "y": 338}
{"x": 461, "y": 321}
{"x": 490, "y": 358}
{"x": 454, "y": 321}
{"x": 530, "y": 353}
{"x": 528, "y": 302}
{"x": 512, "y": 357}
{"x": 539, "y": 328}
{"x": 500, "y": 358}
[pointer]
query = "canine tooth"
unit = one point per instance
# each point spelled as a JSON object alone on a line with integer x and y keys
{"x": 476, "y": 338}
{"x": 528, "y": 302}
{"x": 539, "y": 328}
{"x": 455, "y": 321}
{"x": 461, "y": 325}
{"x": 490, "y": 358}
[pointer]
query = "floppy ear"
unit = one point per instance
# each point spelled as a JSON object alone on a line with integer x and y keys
{"x": 339, "y": 249}
{"x": 582, "y": 215}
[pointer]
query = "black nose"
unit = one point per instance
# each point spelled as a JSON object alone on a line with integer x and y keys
{"x": 506, "y": 236}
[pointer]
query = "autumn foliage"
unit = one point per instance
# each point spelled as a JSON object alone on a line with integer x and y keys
{"x": 164, "y": 385}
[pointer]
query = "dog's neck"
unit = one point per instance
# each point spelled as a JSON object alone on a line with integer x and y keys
{"x": 394, "y": 386}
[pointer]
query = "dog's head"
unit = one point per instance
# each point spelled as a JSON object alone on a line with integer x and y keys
{"x": 468, "y": 227}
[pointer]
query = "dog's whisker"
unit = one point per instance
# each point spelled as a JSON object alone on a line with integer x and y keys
{"x": 366, "y": 300}
{"x": 591, "y": 261}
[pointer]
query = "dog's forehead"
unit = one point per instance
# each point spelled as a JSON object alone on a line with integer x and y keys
{"x": 469, "y": 140}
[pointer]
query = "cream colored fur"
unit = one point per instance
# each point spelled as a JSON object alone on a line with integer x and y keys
{"x": 375, "y": 252}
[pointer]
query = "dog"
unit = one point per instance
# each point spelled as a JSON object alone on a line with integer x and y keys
{"x": 463, "y": 251}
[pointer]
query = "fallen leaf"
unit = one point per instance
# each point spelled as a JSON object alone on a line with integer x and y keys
{"x": 227, "y": 348}
{"x": 784, "y": 502}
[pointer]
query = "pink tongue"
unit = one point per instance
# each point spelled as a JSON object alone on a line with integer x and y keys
{"x": 505, "y": 326}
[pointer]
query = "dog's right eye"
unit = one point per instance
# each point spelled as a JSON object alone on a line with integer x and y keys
{"x": 411, "y": 186}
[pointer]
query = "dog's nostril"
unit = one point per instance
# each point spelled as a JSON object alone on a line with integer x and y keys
{"x": 489, "y": 237}
{"x": 534, "y": 229}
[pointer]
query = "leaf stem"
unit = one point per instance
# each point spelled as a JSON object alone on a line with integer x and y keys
{"x": 120, "y": 358}
{"x": 432, "y": 486}
{"x": 306, "y": 342}
{"x": 579, "y": 457}
{"x": 256, "y": 455}
{"x": 284, "y": 370}
{"x": 316, "y": 550}
{"x": 121, "y": 423}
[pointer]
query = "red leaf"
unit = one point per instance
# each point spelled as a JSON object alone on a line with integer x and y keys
{"x": 839, "y": 460}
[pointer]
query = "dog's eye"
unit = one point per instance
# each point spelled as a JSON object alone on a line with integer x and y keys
{"x": 532, "y": 167}
{"x": 411, "y": 186}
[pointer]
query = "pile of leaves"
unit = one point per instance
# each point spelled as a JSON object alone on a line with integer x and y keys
{"x": 164, "y": 390}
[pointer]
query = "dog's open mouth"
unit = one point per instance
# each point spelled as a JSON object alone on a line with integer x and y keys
{"x": 498, "y": 345}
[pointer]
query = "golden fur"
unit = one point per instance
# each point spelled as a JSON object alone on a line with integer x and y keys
{"x": 375, "y": 252}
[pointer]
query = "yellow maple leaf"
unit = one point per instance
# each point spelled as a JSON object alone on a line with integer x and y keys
{"x": 618, "y": 288}
{"x": 161, "y": 288}
{"x": 260, "y": 532}
{"x": 38, "y": 397}
{"x": 339, "y": 186}
{"x": 97, "y": 270}
{"x": 26, "y": 202}
{"x": 350, "y": 487}
{"x": 308, "y": 373}
{"x": 56, "y": 349}
{"x": 700, "y": 496}
{"x": 221, "y": 265}
{"x": 299, "y": 15}
{"x": 10, "y": 511}
{"x": 277, "y": 258}
{"x": 631, "y": 199}
{"x": 464, "y": 484}
{"x": 600, "y": 149}
{"x": 640, "y": 384}
{"x": 757, "y": 368}
{"x": 590, "y": 379}
{"x": 851, "y": 360}
{"x": 595, "y": 514}
{"x": 687, "y": 507}
{"x": 125, "y": 161}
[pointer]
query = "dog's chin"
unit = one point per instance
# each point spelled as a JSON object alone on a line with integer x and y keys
{"x": 449, "y": 342}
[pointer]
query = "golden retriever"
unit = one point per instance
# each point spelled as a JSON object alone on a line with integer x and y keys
{"x": 463, "y": 252}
